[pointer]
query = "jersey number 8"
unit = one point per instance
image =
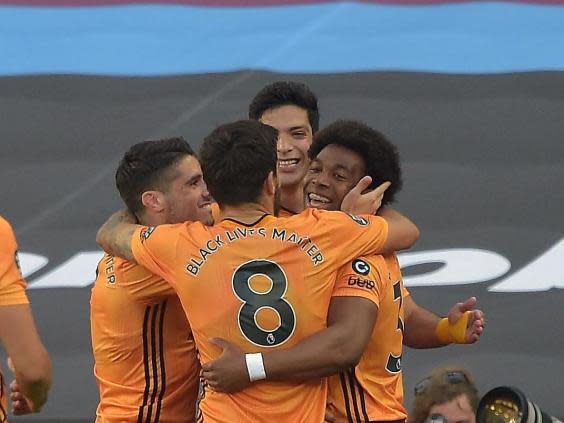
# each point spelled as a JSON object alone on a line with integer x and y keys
{"x": 254, "y": 302}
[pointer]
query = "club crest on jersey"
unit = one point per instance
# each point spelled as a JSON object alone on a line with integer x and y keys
{"x": 360, "y": 220}
{"x": 394, "y": 364}
{"x": 361, "y": 267}
{"x": 146, "y": 233}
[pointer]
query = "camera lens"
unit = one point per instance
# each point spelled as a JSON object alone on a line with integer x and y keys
{"x": 437, "y": 418}
{"x": 509, "y": 405}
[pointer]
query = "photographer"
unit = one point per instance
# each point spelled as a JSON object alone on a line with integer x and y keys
{"x": 448, "y": 395}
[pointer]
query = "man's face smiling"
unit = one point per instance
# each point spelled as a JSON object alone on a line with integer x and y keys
{"x": 331, "y": 175}
{"x": 295, "y": 137}
{"x": 187, "y": 196}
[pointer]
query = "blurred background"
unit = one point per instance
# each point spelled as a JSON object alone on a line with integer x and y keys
{"x": 471, "y": 92}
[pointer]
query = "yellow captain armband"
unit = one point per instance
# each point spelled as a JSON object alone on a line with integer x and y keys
{"x": 456, "y": 333}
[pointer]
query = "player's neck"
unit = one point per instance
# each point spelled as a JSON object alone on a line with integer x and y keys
{"x": 292, "y": 198}
{"x": 247, "y": 213}
{"x": 150, "y": 219}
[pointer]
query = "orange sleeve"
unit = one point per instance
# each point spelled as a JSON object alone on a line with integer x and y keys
{"x": 216, "y": 212}
{"x": 12, "y": 283}
{"x": 404, "y": 291}
{"x": 362, "y": 278}
{"x": 143, "y": 285}
{"x": 137, "y": 281}
{"x": 393, "y": 265}
{"x": 155, "y": 249}
{"x": 355, "y": 235}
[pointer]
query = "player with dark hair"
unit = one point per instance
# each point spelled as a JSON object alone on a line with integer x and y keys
{"x": 371, "y": 389}
{"x": 282, "y": 93}
{"x": 232, "y": 150}
{"x": 291, "y": 108}
{"x": 259, "y": 282}
{"x": 146, "y": 363}
{"x": 341, "y": 154}
{"x": 380, "y": 160}
{"x": 28, "y": 358}
{"x": 149, "y": 175}
{"x": 448, "y": 395}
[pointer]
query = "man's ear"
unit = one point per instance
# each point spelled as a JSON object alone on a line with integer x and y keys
{"x": 153, "y": 201}
{"x": 271, "y": 183}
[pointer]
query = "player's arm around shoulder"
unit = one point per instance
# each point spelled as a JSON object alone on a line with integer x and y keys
{"x": 153, "y": 247}
{"x": 351, "y": 318}
{"x": 328, "y": 352}
{"x": 115, "y": 235}
{"x": 357, "y": 235}
{"x": 403, "y": 233}
{"x": 358, "y": 290}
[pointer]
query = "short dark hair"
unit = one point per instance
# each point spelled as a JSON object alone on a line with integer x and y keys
{"x": 283, "y": 93}
{"x": 381, "y": 157}
{"x": 145, "y": 166}
{"x": 236, "y": 159}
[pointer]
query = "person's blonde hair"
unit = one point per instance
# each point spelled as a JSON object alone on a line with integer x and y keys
{"x": 439, "y": 390}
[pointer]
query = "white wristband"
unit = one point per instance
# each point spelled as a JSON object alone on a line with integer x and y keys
{"x": 255, "y": 367}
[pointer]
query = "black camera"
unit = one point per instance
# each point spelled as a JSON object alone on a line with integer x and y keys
{"x": 509, "y": 405}
{"x": 436, "y": 418}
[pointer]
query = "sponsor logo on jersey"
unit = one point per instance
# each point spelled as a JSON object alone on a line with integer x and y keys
{"x": 360, "y": 282}
{"x": 361, "y": 267}
{"x": 360, "y": 220}
{"x": 146, "y": 233}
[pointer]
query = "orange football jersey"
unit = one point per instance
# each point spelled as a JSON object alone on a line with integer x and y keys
{"x": 12, "y": 284}
{"x": 284, "y": 212}
{"x": 12, "y": 289}
{"x": 146, "y": 363}
{"x": 216, "y": 212}
{"x": 373, "y": 390}
{"x": 263, "y": 287}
